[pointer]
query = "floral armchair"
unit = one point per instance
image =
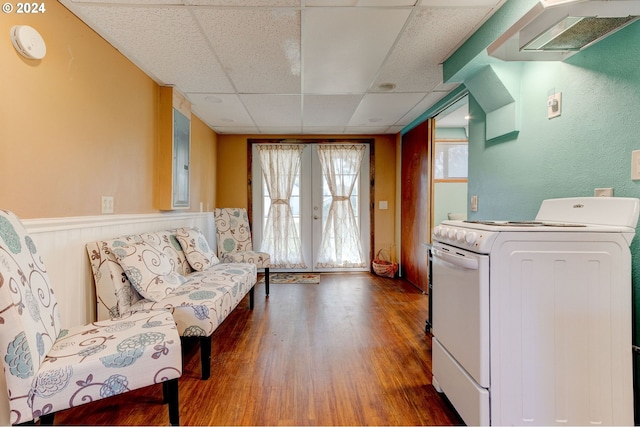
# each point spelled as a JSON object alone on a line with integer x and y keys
{"x": 234, "y": 240}
{"x": 48, "y": 368}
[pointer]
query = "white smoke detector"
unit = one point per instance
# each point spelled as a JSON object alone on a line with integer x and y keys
{"x": 28, "y": 42}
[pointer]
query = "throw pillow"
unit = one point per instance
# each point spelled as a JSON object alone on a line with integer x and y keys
{"x": 196, "y": 248}
{"x": 148, "y": 269}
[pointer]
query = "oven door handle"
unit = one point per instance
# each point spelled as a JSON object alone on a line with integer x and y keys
{"x": 457, "y": 260}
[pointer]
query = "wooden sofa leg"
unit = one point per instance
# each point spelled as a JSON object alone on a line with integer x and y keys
{"x": 205, "y": 356}
{"x": 47, "y": 420}
{"x": 266, "y": 280}
{"x": 170, "y": 392}
{"x": 251, "y": 294}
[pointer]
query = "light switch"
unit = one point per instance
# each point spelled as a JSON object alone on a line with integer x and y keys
{"x": 635, "y": 164}
{"x": 474, "y": 203}
{"x": 554, "y": 105}
{"x": 383, "y": 205}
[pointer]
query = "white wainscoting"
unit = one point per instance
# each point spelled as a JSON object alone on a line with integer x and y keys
{"x": 61, "y": 244}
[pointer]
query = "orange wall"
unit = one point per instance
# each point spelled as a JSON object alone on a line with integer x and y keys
{"x": 81, "y": 123}
{"x": 232, "y": 177}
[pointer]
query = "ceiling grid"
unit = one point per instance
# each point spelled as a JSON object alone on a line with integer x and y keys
{"x": 293, "y": 66}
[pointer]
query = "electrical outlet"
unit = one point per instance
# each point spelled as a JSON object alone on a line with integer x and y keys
{"x": 107, "y": 204}
{"x": 603, "y": 192}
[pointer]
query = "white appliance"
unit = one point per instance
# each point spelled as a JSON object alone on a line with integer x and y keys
{"x": 532, "y": 320}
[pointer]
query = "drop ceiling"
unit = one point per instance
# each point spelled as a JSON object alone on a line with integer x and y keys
{"x": 293, "y": 67}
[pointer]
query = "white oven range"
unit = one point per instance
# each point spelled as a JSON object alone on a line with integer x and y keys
{"x": 532, "y": 320}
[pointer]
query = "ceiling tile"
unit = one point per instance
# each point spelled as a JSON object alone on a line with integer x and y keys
{"x": 220, "y": 109}
{"x": 429, "y": 100}
{"x": 260, "y": 48}
{"x": 274, "y": 110}
{"x": 430, "y": 36}
{"x": 130, "y": 2}
{"x": 237, "y": 130}
{"x": 293, "y": 66}
{"x": 285, "y": 130}
{"x": 394, "y": 129}
{"x": 368, "y": 3}
{"x": 384, "y": 109}
{"x": 461, "y": 3}
{"x": 163, "y": 41}
{"x": 366, "y": 130}
{"x": 246, "y": 3}
{"x": 329, "y": 110}
{"x": 344, "y": 47}
{"x": 326, "y": 130}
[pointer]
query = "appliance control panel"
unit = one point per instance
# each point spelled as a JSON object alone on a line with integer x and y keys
{"x": 479, "y": 241}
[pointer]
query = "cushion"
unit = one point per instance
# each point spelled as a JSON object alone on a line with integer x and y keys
{"x": 148, "y": 269}
{"x": 166, "y": 241}
{"x": 196, "y": 249}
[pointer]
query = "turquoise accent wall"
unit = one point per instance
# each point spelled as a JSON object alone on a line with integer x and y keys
{"x": 588, "y": 146}
{"x": 450, "y": 133}
{"x": 448, "y": 197}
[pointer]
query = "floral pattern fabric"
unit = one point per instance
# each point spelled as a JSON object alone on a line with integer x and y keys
{"x": 148, "y": 269}
{"x": 49, "y": 369}
{"x": 196, "y": 248}
{"x": 198, "y": 305}
{"x": 234, "y": 238}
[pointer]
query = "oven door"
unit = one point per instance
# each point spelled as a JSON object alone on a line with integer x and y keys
{"x": 461, "y": 308}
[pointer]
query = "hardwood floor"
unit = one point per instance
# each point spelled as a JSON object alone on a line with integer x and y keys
{"x": 349, "y": 351}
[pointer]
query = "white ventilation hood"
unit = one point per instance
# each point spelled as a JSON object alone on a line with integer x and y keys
{"x": 553, "y": 30}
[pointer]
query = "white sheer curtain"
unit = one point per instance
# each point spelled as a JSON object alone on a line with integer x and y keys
{"x": 340, "y": 245}
{"x": 280, "y": 166}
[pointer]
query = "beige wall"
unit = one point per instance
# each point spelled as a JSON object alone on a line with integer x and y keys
{"x": 232, "y": 178}
{"x": 81, "y": 123}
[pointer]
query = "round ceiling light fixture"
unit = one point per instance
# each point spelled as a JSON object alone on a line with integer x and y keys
{"x": 213, "y": 99}
{"x": 385, "y": 87}
{"x": 28, "y": 42}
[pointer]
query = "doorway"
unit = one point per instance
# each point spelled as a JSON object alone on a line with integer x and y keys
{"x": 450, "y": 163}
{"x": 314, "y": 203}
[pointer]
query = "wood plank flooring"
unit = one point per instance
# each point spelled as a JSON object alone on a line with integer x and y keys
{"x": 349, "y": 351}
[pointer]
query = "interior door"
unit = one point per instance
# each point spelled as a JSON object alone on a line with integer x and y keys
{"x": 310, "y": 203}
{"x": 415, "y": 219}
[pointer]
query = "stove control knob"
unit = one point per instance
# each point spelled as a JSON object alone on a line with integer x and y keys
{"x": 451, "y": 234}
{"x": 471, "y": 238}
{"x": 436, "y": 231}
{"x": 460, "y": 235}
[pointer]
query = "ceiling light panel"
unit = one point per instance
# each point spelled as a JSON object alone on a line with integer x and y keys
{"x": 343, "y": 48}
{"x": 430, "y": 36}
{"x": 163, "y": 40}
{"x": 271, "y": 38}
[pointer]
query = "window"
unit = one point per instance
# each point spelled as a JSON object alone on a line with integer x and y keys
{"x": 450, "y": 161}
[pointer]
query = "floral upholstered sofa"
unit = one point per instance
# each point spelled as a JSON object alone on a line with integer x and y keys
{"x": 174, "y": 270}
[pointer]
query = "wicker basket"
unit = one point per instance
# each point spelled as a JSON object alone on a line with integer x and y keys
{"x": 384, "y": 267}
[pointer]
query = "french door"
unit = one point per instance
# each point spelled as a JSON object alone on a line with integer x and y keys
{"x": 311, "y": 202}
